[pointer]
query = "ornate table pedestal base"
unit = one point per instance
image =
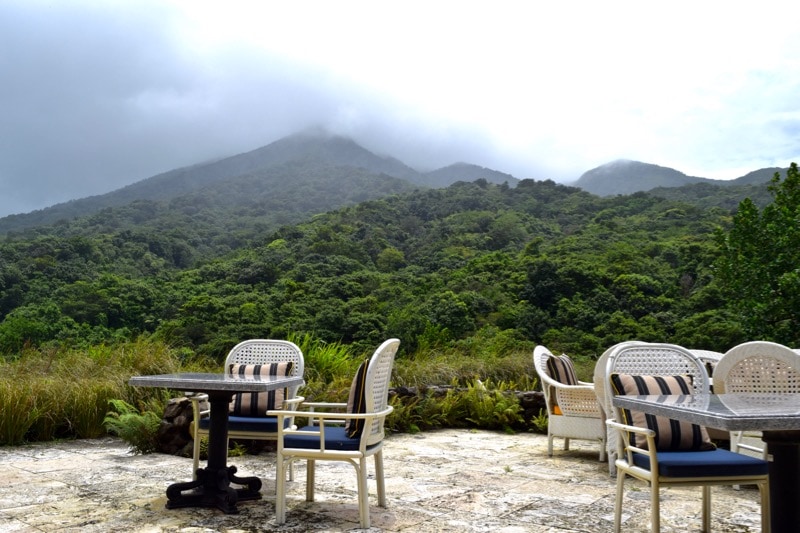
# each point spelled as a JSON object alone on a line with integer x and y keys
{"x": 212, "y": 489}
{"x": 212, "y": 486}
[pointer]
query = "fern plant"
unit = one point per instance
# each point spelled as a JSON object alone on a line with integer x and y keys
{"x": 139, "y": 430}
{"x": 492, "y": 409}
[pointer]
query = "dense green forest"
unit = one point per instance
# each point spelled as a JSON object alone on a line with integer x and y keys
{"x": 475, "y": 266}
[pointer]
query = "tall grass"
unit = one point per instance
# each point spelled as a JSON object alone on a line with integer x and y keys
{"x": 65, "y": 393}
{"x": 19, "y": 409}
{"x": 47, "y": 394}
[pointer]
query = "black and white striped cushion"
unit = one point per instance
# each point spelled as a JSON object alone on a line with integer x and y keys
{"x": 561, "y": 369}
{"x": 670, "y": 434}
{"x": 257, "y": 404}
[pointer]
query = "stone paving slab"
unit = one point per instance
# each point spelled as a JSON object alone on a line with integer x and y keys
{"x": 441, "y": 481}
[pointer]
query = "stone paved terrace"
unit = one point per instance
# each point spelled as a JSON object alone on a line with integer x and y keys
{"x": 450, "y": 480}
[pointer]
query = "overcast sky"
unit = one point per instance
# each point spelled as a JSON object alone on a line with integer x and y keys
{"x": 95, "y": 95}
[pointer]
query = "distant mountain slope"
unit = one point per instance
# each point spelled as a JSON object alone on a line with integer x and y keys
{"x": 707, "y": 195}
{"x": 758, "y": 177}
{"x": 228, "y": 215}
{"x": 627, "y": 177}
{"x": 313, "y": 150}
{"x": 466, "y": 172}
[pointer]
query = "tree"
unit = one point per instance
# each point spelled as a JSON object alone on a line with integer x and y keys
{"x": 759, "y": 267}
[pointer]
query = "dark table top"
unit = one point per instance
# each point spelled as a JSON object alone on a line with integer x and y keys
{"x": 733, "y": 412}
{"x": 210, "y": 382}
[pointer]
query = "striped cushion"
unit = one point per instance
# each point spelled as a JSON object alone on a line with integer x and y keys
{"x": 561, "y": 369}
{"x": 256, "y": 404}
{"x": 357, "y": 402}
{"x": 670, "y": 434}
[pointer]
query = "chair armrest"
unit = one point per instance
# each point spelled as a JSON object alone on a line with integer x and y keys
{"x": 324, "y": 416}
{"x": 196, "y": 398}
{"x": 578, "y": 400}
{"x": 325, "y": 405}
{"x": 293, "y": 403}
{"x": 624, "y": 445}
{"x": 320, "y": 419}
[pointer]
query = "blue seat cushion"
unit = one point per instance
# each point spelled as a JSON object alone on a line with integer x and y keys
{"x": 335, "y": 439}
{"x": 704, "y": 463}
{"x": 267, "y": 424}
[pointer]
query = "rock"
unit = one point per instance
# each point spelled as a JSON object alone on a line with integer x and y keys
{"x": 174, "y": 434}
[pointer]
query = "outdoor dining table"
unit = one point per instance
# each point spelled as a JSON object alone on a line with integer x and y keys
{"x": 777, "y": 416}
{"x": 212, "y": 486}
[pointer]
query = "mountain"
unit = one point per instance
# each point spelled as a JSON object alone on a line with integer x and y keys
{"x": 314, "y": 151}
{"x": 627, "y": 177}
{"x": 758, "y": 177}
{"x": 465, "y": 172}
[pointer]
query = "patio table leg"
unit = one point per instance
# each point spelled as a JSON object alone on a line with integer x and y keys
{"x": 212, "y": 486}
{"x": 784, "y": 480}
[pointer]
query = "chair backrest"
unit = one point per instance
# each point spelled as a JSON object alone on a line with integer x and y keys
{"x": 266, "y": 351}
{"x": 376, "y": 387}
{"x": 758, "y": 366}
{"x": 540, "y": 355}
{"x": 656, "y": 360}
{"x": 600, "y": 378}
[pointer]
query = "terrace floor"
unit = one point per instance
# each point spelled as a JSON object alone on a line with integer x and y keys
{"x": 448, "y": 480}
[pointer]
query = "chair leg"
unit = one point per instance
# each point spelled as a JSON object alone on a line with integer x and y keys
{"x": 655, "y": 507}
{"x": 379, "y": 479}
{"x": 763, "y": 489}
{"x": 310, "y": 464}
{"x": 618, "y": 502}
{"x": 363, "y": 493}
{"x": 195, "y": 456}
{"x": 280, "y": 490}
{"x": 549, "y": 445}
{"x": 566, "y": 444}
{"x": 706, "y": 509}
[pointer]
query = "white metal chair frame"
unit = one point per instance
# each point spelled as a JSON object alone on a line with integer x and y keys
{"x": 581, "y": 415}
{"x": 667, "y": 360}
{"x": 322, "y": 415}
{"x": 758, "y": 367}
{"x": 599, "y": 379}
{"x": 251, "y": 352}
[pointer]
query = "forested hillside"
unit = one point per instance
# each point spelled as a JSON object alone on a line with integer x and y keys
{"x": 313, "y": 166}
{"x": 476, "y": 266}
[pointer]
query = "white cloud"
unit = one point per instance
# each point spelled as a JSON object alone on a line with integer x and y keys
{"x": 99, "y": 95}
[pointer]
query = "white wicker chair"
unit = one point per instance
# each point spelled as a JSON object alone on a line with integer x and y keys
{"x": 673, "y": 467}
{"x": 757, "y": 366}
{"x": 250, "y": 352}
{"x": 324, "y": 439}
{"x": 709, "y": 358}
{"x": 579, "y": 415}
{"x": 599, "y": 379}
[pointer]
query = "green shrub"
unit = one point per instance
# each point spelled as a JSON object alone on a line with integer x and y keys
{"x": 139, "y": 430}
{"x": 492, "y": 409}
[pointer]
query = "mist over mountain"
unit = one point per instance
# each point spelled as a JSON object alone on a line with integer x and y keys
{"x": 323, "y": 162}
{"x": 296, "y": 158}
